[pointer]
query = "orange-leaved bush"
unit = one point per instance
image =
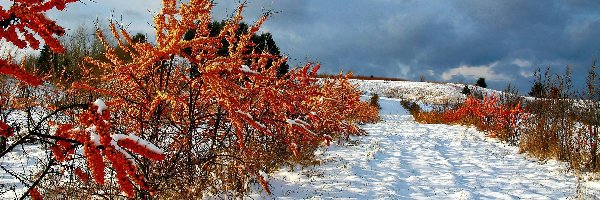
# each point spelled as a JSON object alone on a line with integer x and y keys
{"x": 502, "y": 120}
{"x": 21, "y": 22}
{"x": 19, "y": 25}
{"x": 9, "y": 68}
{"x": 26, "y": 18}
{"x": 35, "y": 194}
{"x": 5, "y": 130}
{"x": 499, "y": 120}
{"x": 224, "y": 120}
{"x": 94, "y": 132}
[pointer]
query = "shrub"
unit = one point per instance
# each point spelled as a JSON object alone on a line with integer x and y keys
{"x": 466, "y": 90}
{"x": 564, "y": 128}
{"x": 499, "y": 120}
{"x": 558, "y": 126}
{"x": 164, "y": 132}
{"x": 374, "y": 101}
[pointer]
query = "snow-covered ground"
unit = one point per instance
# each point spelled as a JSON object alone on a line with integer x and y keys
{"x": 423, "y": 92}
{"x": 402, "y": 159}
{"x": 420, "y": 92}
{"x": 22, "y": 162}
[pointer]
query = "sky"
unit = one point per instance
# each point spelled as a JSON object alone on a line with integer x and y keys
{"x": 440, "y": 40}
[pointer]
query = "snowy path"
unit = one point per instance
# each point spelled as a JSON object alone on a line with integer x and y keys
{"x": 401, "y": 159}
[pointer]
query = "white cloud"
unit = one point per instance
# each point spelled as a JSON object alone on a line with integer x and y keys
{"x": 521, "y": 62}
{"x": 474, "y": 72}
{"x": 526, "y": 74}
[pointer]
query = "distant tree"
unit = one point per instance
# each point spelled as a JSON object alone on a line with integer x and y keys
{"x": 65, "y": 66}
{"x": 481, "y": 83}
{"x": 139, "y": 38}
{"x": 540, "y": 86}
{"x": 263, "y": 42}
{"x": 77, "y": 47}
{"x": 538, "y": 90}
{"x": 49, "y": 61}
{"x": 189, "y": 35}
{"x": 45, "y": 59}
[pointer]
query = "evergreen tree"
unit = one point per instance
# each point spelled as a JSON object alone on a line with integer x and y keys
{"x": 538, "y": 90}
{"x": 47, "y": 61}
{"x": 139, "y": 38}
{"x": 263, "y": 42}
{"x": 481, "y": 83}
{"x": 540, "y": 86}
{"x": 189, "y": 35}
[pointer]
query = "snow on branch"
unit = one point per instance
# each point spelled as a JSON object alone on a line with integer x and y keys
{"x": 300, "y": 123}
{"x": 247, "y": 69}
{"x": 101, "y": 106}
{"x": 139, "y": 146}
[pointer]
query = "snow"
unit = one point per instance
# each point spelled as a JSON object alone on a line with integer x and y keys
{"x": 301, "y": 123}
{"x": 292, "y": 122}
{"x": 247, "y": 69}
{"x": 245, "y": 113}
{"x": 251, "y": 118}
{"x": 138, "y": 140}
{"x": 95, "y": 138}
{"x": 114, "y": 144}
{"x": 414, "y": 91}
{"x": 101, "y": 106}
{"x": 402, "y": 159}
{"x": 23, "y": 160}
{"x": 264, "y": 175}
{"x": 297, "y": 122}
{"x": 397, "y": 159}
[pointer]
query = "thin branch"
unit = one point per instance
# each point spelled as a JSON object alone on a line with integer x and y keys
{"x": 37, "y": 127}
{"x": 37, "y": 181}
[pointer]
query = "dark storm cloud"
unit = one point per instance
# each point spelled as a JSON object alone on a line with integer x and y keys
{"x": 503, "y": 41}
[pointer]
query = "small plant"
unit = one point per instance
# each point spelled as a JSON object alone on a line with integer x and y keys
{"x": 375, "y": 101}
{"x": 466, "y": 90}
{"x": 412, "y": 107}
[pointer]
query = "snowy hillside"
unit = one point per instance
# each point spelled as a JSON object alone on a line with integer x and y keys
{"x": 402, "y": 159}
{"x": 422, "y": 92}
